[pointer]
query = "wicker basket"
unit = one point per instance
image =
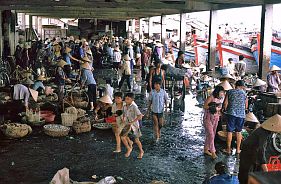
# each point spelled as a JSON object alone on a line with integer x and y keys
{"x": 67, "y": 119}
{"x": 73, "y": 111}
{"x": 83, "y": 104}
{"x": 16, "y": 130}
{"x": 102, "y": 126}
{"x": 81, "y": 127}
{"x": 55, "y": 130}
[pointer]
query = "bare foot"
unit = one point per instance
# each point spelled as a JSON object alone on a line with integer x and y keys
{"x": 141, "y": 155}
{"x": 117, "y": 151}
{"x": 214, "y": 156}
{"x": 207, "y": 152}
{"x": 128, "y": 152}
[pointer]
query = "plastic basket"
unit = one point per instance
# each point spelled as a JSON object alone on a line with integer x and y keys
{"x": 66, "y": 119}
{"x": 274, "y": 164}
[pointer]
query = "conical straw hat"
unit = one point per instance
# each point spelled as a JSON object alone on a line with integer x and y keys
{"x": 41, "y": 78}
{"x": 226, "y": 86}
{"x": 106, "y": 99}
{"x": 251, "y": 118}
{"x": 34, "y": 94}
{"x": 86, "y": 66}
{"x": 227, "y": 76}
{"x": 86, "y": 59}
{"x": 259, "y": 82}
{"x": 273, "y": 124}
{"x": 28, "y": 81}
{"x": 67, "y": 50}
{"x": 275, "y": 68}
{"x": 61, "y": 63}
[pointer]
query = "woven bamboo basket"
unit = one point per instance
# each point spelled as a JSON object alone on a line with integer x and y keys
{"x": 67, "y": 119}
{"x": 81, "y": 126}
{"x": 55, "y": 130}
{"x": 73, "y": 111}
{"x": 79, "y": 99}
{"x": 16, "y": 130}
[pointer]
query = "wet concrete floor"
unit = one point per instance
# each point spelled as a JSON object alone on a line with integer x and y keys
{"x": 176, "y": 159}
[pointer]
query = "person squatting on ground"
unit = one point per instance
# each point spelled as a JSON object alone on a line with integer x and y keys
{"x": 212, "y": 108}
{"x": 118, "y": 126}
{"x": 235, "y": 104}
{"x": 222, "y": 176}
{"x": 157, "y": 99}
{"x": 131, "y": 117}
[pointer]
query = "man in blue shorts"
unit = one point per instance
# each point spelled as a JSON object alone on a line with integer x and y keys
{"x": 235, "y": 103}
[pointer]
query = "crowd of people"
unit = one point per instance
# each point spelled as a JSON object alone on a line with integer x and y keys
{"x": 79, "y": 60}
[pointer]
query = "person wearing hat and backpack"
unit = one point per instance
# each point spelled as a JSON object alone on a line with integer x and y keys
{"x": 273, "y": 79}
{"x": 257, "y": 149}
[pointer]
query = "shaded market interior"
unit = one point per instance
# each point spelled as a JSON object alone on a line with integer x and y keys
{"x": 183, "y": 126}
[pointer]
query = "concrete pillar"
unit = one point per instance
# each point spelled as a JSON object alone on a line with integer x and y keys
{"x": 150, "y": 27}
{"x": 182, "y": 31}
{"x": 163, "y": 29}
{"x": 133, "y": 27}
{"x": 212, "y": 40}
{"x": 265, "y": 40}
{"x": 40, "y": 27}
{"x": 36, "y": 23}
{"x": 140, "y": 29}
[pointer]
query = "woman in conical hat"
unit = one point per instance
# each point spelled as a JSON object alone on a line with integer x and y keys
{"x": 273, "y": 79}
{"x": 103, "y": 107}
{"x": 60, "y": 79}
{"x": 259, "y": 147}
{"x": 38, "y": 84}
{"x": 260, "y": 86}
{"x": 89, "y": 80}
{"x": 251, "y": 121}
{"x": 226, "y": 85}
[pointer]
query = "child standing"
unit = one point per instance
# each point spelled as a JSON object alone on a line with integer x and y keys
{"x": 117, "y": 111}
{"x": 157, "y": 99}
{"x": 131, "y": 117}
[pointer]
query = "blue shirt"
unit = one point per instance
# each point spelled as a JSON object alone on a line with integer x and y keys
{"x": 236, "y": 103}
{"x": 88, "y": 77}
{"x": 67, "y": 59}
{"x": 38, "y": 84}
{"x": 158, "y": 100}
{"x": 223, "y": 179}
